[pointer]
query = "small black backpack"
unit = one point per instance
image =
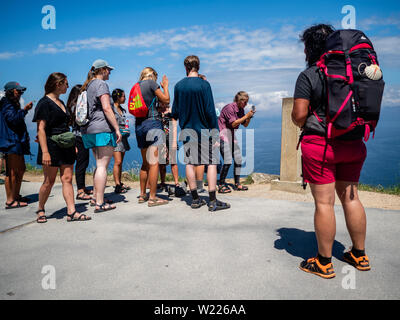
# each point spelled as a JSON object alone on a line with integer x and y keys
{"x": 353, "y": 81}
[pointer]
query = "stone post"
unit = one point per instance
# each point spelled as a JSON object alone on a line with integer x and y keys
{"x": 290, "y": 175}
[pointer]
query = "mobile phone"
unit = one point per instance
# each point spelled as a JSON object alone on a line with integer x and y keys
{"x": 253, "y": 108}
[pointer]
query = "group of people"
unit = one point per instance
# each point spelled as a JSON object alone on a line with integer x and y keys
{"x": 106, "y": 133}
{"x": 203, "y": 135}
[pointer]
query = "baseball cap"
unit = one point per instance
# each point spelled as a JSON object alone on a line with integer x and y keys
{"x": 99, "y": 63}
{"x": 13, "y": 85}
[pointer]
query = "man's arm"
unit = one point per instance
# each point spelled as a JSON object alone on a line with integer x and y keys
{"x": 245, "y": 120}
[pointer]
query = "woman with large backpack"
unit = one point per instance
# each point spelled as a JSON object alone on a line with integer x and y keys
{"x": 146, "y": 129}
{"x": 328, "y": 164}
{"x": 102, "y": 131}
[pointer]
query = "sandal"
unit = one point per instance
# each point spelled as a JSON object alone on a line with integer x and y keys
{"x": 41, "y": 219}
{"x": 119, "y": 189}
{"x": 125, "y": 187}
{"x": 10, "y": 205}
{"x": 88, "y": 191}
{"x": 83, "y": 196}
{"x": 81, "y": 217}
{"x": 224, "y": 189}
{"x": 93, "y": 201}
{"x": 143, "y": 198}
{"x": 104, "y": 207}
{"x": 239, "y": 187}
{"x": 157, "y": 202}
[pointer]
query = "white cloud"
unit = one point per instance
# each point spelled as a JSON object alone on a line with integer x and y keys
{"x": 375, "y": 21}
{"x": 10, "y": 55}
{"x": 391, "y": 96}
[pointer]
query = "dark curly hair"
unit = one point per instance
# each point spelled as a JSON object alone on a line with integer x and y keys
{"x": 314, "y": 41}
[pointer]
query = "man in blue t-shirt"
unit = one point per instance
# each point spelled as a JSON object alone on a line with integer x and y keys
{"x": 194, "y": 108}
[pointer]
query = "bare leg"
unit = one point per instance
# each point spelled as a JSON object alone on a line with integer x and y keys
{"x": 144, "y": 171}
{"x": 163, "y": 172}
{"x": 324, "y": 217}
{"x": 356, "y": 220}
{"x": 200, "y": 173}
{"x": 50, "y": 174}
{"x": 175, "y": 173}
{"x": 117, "y": 170}
{"x": 103, "y": 157}
{"x": 66, "y": 173}
{"x": 120, "y": 169}
{"x": 212, "y": 177}
{"x": 153, "y": 171}
{"x": 13, "y": 180}
{"x": 191, "y": 176}
{"x": 20, "y": 161}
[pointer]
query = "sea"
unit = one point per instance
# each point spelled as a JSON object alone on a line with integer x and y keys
{"x": 382, "y": 166}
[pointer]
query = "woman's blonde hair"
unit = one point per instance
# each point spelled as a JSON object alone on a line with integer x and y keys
{"x": 148, "y": 73}
{"x": 240, "y": 96}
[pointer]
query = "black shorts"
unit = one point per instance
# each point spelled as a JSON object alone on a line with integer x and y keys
{"x": 204, "y": 153}
{"x": 59, "y": 156}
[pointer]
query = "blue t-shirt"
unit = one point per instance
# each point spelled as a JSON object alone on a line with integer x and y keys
{"x": 194, "y": 105}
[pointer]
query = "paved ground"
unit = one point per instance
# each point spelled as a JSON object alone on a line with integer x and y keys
{"x": 251, "y": 251}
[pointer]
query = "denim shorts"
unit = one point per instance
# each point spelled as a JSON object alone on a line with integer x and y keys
{"x": 102, "y": 139}
{"x": 145, "y": 135}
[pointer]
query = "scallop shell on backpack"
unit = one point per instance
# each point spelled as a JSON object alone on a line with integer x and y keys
{"x": 373, "y": 72}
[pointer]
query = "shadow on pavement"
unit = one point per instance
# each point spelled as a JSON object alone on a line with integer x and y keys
{"x": 34, "y": 197}
{"x": 303, "y": 244}
{"x": 61, "y": 213}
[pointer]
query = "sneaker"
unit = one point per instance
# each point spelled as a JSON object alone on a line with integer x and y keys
{"x": 313, "y": 265}
{"x": 361, "y": 263}
{"x": 216, "y": 205}
{"x": 198, "y": 203}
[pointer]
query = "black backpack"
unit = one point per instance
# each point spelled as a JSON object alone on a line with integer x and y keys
{"x": 353, "y": 82}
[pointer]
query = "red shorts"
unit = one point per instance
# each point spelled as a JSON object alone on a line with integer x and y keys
{"x": 337, "y": 161}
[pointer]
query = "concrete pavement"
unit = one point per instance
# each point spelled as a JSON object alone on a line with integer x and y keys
{"x": 251, "y": 251}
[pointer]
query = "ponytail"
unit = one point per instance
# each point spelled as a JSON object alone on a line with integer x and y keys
{"x": 90, "y": 77}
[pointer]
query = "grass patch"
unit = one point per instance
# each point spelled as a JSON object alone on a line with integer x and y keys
{"x": 248, "y": 180}
{"x": 395, "y": 190}
{"x": 33, "y": 169}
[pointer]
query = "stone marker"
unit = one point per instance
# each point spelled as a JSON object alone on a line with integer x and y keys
{"x": 290, "y": 175}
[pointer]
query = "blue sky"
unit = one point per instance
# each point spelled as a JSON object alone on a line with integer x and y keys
{"x": 243, "y": 45}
